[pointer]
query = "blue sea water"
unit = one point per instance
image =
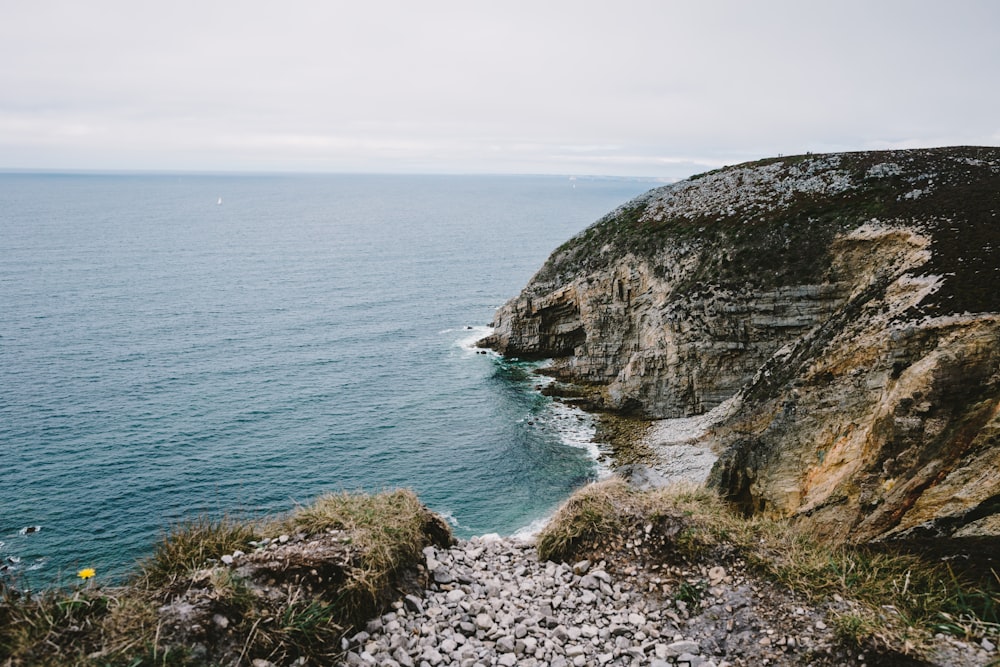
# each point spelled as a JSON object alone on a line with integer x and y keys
{"x": 165, "y": 356}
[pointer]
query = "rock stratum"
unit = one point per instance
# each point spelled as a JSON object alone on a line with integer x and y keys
{"x": 845, "y": 309}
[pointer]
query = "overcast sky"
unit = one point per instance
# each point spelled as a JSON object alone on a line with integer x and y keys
{"x": 622, "y": 87}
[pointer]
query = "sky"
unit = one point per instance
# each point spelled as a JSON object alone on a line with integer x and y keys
{"x": 651, "y": 88}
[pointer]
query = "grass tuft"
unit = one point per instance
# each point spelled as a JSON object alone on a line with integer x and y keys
{"x": 855, "y": 628}
{"x": 589, "y": 513}
{"x": 306, "y": 625}
{"x": 388, "y": 530}
{"x": 190, "y": 545}
{"x": 61, "y": 626}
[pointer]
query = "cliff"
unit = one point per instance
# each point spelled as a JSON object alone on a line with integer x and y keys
{"x": 847, "y": 304}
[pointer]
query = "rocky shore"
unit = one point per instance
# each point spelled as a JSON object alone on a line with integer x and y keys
{"x": 492, "y": 602}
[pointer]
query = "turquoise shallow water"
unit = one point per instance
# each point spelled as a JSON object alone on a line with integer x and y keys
{"x": 164, "y": 356}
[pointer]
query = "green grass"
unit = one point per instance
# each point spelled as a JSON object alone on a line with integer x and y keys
{"x": 690, "y": 593}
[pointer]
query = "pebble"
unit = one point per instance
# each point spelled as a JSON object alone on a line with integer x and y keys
{"x": 681, "y": 647}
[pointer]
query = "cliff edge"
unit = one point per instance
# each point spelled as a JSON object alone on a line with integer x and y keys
{"x": 847, "y": 306}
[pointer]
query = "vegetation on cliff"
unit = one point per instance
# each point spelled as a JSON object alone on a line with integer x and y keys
{"x": 303, "y": 583}
{"x": 771, "y": 223}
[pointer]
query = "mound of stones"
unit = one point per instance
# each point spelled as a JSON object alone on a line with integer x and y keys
{"x": 491, "y": 602}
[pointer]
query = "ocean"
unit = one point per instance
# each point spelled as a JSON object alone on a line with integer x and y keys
{"x": 175, "y": 346}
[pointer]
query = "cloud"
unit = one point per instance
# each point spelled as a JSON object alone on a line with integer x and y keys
{"x": 550, "y": 87}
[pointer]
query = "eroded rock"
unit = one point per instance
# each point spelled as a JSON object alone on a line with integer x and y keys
{"x": 844, "y": 308}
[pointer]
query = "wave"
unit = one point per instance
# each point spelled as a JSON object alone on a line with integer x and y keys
{"x": 530, "y": 532}
{"x": 451, "y": 519}
{"x": 578, "y": 428}
{"x": 470, "y": 336}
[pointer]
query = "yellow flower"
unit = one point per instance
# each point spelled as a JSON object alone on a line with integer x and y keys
{"x": 86, "y": 573}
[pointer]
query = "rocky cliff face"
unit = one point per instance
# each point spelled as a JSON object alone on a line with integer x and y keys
{"x": 849, "y": 302}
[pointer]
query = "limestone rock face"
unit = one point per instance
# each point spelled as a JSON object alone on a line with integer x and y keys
{"x": 849, "y": 302}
